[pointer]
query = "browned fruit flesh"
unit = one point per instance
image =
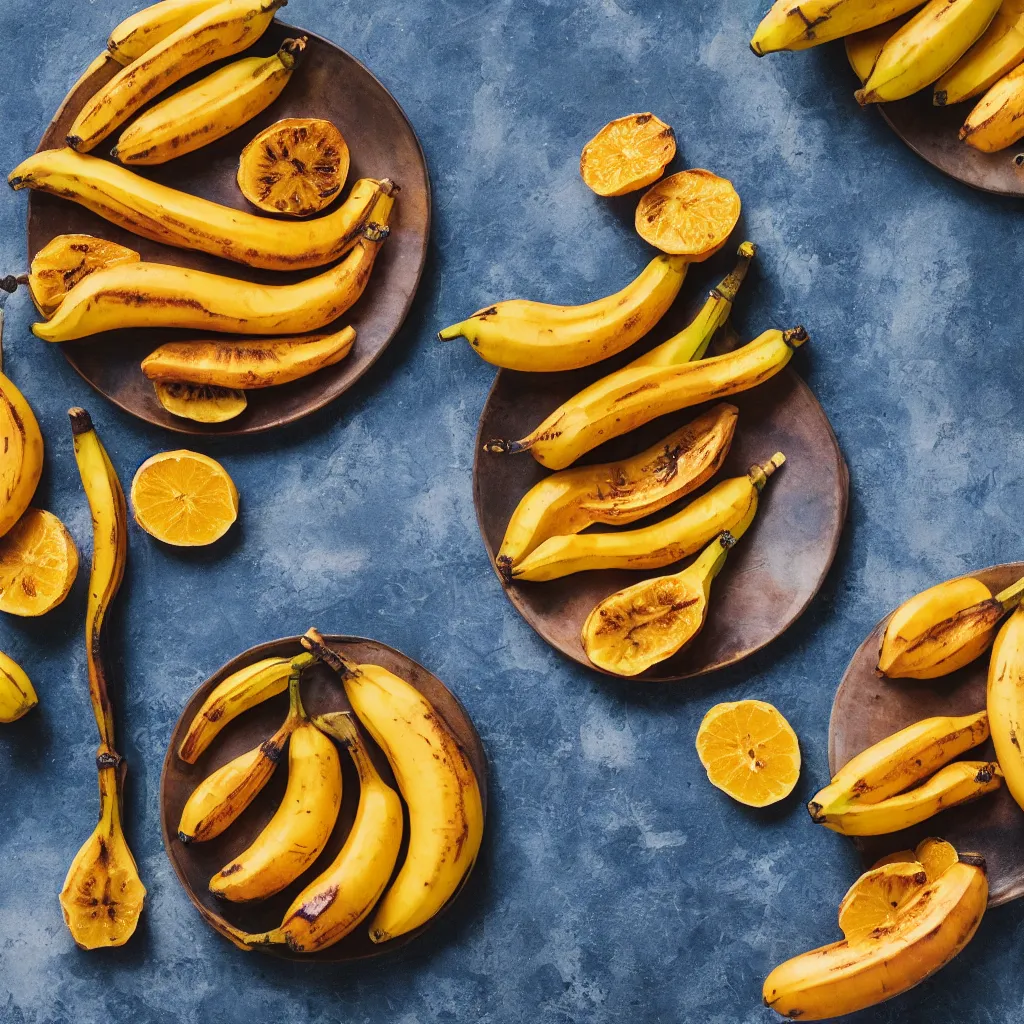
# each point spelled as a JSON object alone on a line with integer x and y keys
{"x": 65, "y": 261}
{"x": 626, "y": 154}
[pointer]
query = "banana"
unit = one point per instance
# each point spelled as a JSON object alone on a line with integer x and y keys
{"x": 944, "y": 628}
{"x": 17, "y": 695}
{"x": 298, "y": 832}
{"x": 726, "y": 507}
{"x": 845, "y": 977}
{"x": 650, "y": 621}
{"x": 102, "y": 896}
{"x": 155, "y": 295}
{"x": 951, "y": 786}
{"x": 65, "y": 261}
{"x": 239, "y": 692}
{"x": 166, "y": 215}
{"x": 1006, "y": 702}
{"x": 221, "y": 31}
{"x": 222, "y": 796}
{"x": 898, "y": 762}
{"x": 209, "y": 109}
{"x": 446, "y": 817}
{"x": 333, "y": 905}
{"x": 630, "y": 397}
{"x": 863, "y": 48}
{"x": 616, "y": 493}
{"x": 799, "y": 24}
{"x": 249, "y": 363}
{"x": 21, "y": 449}
{"x": 200, "y": 402}
{"x": 926, "y": 48}
{"x": 998, "y": 51}
{"x": 142, "y": 31}
{"x": 534, "y": 336}
{"x": 998, "y": 119}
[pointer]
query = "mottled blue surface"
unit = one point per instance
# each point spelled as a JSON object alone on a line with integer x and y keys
{"x": 616, "y": 884}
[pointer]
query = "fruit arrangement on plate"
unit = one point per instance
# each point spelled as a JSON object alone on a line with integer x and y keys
{"x": 548, "y": 537}
{"x": 958, "y": 64}
{"x": 238, "y": 227}
{"x": 298, "y": 870}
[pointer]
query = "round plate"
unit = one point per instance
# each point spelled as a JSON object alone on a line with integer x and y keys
{"x": 322, "y": 691}
{"x": 329, "y": 84}
{"x": 932, "y": 133}
{"x": 868, "y": 707}
{"x": 772, "y": 573}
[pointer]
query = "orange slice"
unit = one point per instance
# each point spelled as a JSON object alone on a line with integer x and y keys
{"x": 184, "y": 498}
{"x": 877, "y": 897}
{"x": 65, "y": 261}
{"x": 626, "y": 154}
{"x": 899, "y": 857}
{"x": 936, "y": 855}
{"x": 38, "y": 564}
{"x": 691, "y": 213}
{"x": 749, "y": 751}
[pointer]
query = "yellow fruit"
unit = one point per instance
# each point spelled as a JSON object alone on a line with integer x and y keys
{"x": 691, "y": 213}
{"x": 876, "y": 899}
{"x": 17, "y": 695}
{"x": 61, "y": 264}
{"x": 184, "y": 498}
{"x": 997, "y": 52}
{"x": 297, "y": 166}
{"x": 863, "y": 48}
{"x": 936, "y": 856}
{"x": 998, "y": 119}
{"x": 142, "y": 31}
{"x": 38, "y": 564}
{"x": 627, "y": 154}
{"x": 202, "y": 403}
{"x": 749, "y": 751}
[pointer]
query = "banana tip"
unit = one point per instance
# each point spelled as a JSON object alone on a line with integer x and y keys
{"x": 795, "y": 336}
{"x": 81, "y": 421}
{"x": 186, "y": 839}
{"x": 862, "y": 97}
{"x": 939, "y": 98}
{"x": 73, "y": 141}
{"x": 504, "y": 566}
{"x": 754, "y": 49}
{"x": 499, "y": 446}
{"x": 814, "y": 810}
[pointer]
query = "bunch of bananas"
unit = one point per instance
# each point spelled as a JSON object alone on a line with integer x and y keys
{"x": 435, "y": 779}
{"x": 963, "y": 49}
{"x": 106, "y": 287}
{"x": 546, "y": 538}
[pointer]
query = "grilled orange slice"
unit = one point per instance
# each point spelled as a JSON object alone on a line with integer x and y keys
{"x": 626, "y": 154}
{"x": 38, "y": 564}
{"x": 877, "y": 897}
{"x": 691, "y": 213}
{"x": 62, "y": 263}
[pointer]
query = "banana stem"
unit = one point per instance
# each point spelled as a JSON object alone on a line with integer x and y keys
{"x": 759, "y": 475}
{"x": 295, "y": 709}
{"x": 317, "y": 646}
{"x": 1011, "y": 596}
{"x": 450, "y": 333}
{"x": 292, "y": 51}
{"x": 729, "y": 287}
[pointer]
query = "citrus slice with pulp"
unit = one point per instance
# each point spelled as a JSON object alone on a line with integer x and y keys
{"x": 877, "y": 897}
{"x": 38, "y": 564}
{"x": 691, "y": 213}
{"x": 626, "y": 154}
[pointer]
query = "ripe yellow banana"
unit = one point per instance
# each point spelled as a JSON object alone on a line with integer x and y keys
{"x": 298, "y": 832}
{"x": 998, "y": 119}
{"x": 102, "y": 896}
{"x": 630, "y": 397}
{"x": 17, "y": 695}
{"x": 863, "y": 48}
{"x": 1006, "y": 702}
{"x": 617, "y": 493}
{"x": 336, "y": 902}
{"x": 896, "y": 763}
{"x": 156, "y": 295}
{"x": 21, "y": 449}
{"x": 944, "y": 628}
{"x": 239, "y": 692}
{"x": 998, "y": 51}
{"x": 799, "y": 24}
{"x": 650, "y": 621}
{"x": 222, "y": 796}
{"x": 210, "y": 109}
{"x": 221, "y": 31}
{"x": 446, "y": 817}
{"x": 726, "y": 507}
{"x": 249, "y": 363}
{"x": 142, "y": 31}
{"x": 957, "y": 783}
{"x": 845, "y": 977}
{"x": 166, "y": 215}
{"x": 534, "y": 336}
{"x": 926, "y": 48}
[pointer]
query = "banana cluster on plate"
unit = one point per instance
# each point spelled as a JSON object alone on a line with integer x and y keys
{"x": 435, "y": 777}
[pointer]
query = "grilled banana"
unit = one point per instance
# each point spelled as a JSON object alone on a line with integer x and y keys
{"x": 998, "y": 51}
{"x": 142, "y": 31}
{"x": 998, "y": 119}
{"x": 630, "y": 397}
{"x": 926, "y": 48}
{"x": 1006, "y": 702}
{"x": 17, "y": 695}
{"x": 209, "y": 109}
{"x": 534, "y": 336}
{"x": 252, "y": 363}
{"x": 155, "y": 295}
{"x": 725, "y": 507}
{"x": 65, "y": 261}
{"x": 219, "y": 32}
{"x": 166, "y": 215}
{"x": 799, "y": 24}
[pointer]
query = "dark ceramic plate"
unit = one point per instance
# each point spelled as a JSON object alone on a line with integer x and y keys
{"x": 932, "y": 133}
{"x": 868, "y": 707}
{"x": 329, "y": 84}
{"x": 322, "y": 691}
{"x": 771, "y": 574}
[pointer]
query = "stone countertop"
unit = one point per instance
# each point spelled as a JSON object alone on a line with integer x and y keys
{"x": 616, "y": 883}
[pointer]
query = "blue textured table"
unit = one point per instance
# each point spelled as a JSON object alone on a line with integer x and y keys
{"x": 615, "y": 882}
